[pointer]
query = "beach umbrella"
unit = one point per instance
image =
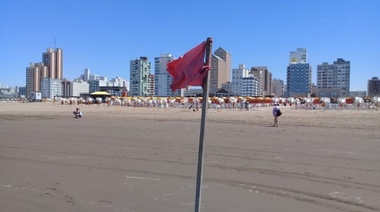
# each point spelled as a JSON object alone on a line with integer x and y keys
{"x": 267, "y": 100}
{"x": 349, "y": 100}
{"x": 316, "y": 100}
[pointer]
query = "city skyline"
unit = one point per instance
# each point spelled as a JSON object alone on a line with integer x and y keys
{"x": 106, "y": 36}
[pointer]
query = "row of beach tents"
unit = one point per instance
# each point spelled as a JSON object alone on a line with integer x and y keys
{"x": 224, "y": 102}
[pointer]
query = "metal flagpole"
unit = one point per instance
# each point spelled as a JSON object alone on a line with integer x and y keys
{"x": 202, "y": 131}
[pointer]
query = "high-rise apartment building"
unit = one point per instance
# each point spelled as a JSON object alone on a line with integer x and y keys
{"x": 34, "y": 73}
{"x": 50, "y": 67}
{"x": 265, "y": 79}
{"x": 298, "y": 75}
{"x": 53, "y": 59}
{"x": 278, "y": 87}
{"x": 374, "y": 87}
{"x": 139, "y": 77}
{"x": 333, "y": 80}
{"x": 220, "y": 69}
{"x": 250, "y": 86}
{"x": 151, "y": 84}
{"x": 238, "y": 74}
{"x": 162, "y": 78}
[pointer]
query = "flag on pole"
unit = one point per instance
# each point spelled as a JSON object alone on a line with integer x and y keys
{"x": 190, "y": 69}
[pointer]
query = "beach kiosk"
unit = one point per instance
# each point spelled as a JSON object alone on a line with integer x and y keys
{"x": 100, "y": 94}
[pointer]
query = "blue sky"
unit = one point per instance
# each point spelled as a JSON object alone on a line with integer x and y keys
{"x": 104, "y": 35}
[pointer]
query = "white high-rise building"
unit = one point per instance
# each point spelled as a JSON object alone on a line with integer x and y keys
{"x": 250, "y": 86}
{"x": 237, "y": 79}
{"x": 162, "y": 78}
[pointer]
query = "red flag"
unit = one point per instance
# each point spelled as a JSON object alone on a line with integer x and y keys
{"x": 189, "y": 69}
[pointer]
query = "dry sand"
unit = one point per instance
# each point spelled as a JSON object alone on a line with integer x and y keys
{"x": 144, "y": 159}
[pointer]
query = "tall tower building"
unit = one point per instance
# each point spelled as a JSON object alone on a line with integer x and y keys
{"x": 162, "y": 78}
{"x": 30, "y": 79}
{"x": 298, "y": 75}
{"x": 139, "y": 77}
{"x": 86, "y": 75}
{"x": 298, "y": 79}
{"x": 51, "y": 67}
{"x": 52, "y": 58}
{"x": 265, "y": 79}
{"x": 220, "y": 68}
{"x": 333, "y": 80}
{"x": 34, "y": 74}
{"x": 374, "y": 87}
{"x": 151, "y": 84}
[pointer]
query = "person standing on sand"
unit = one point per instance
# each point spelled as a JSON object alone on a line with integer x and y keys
{"x": 246, "y": 105}
{"x": 196, "y": 105}
{"x": 275, "y": 110}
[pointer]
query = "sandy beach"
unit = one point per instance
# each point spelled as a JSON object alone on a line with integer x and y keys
{"x": 132, "y": 159}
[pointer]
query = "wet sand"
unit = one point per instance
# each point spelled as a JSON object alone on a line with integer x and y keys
{"x": 145, "y": 159}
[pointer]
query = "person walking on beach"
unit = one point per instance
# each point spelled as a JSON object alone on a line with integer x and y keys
{"x": 196, "y": 105}
{"x": 246, "y": 105}
{"x": 276, "y": 113}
